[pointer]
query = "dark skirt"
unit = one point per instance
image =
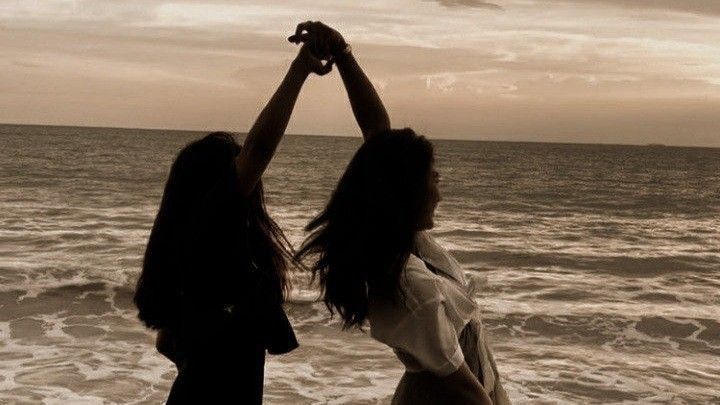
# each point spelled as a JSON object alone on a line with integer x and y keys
{"x": 424, "y": 387}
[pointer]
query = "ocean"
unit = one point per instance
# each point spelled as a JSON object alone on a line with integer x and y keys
{"x": 601, "y": 268}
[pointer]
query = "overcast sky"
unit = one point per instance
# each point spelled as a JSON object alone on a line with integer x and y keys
{"x": 609, "y": 71}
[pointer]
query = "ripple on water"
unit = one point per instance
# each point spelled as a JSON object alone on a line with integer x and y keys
{"x": 659, "y": 327}
{"x": 601, "y": 266}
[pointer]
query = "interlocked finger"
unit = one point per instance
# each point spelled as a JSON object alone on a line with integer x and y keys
{"x": 304, "y": 26}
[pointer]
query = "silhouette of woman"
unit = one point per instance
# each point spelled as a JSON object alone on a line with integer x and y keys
{"x": 214, "y": 273}
{"x": 375, "y": 262}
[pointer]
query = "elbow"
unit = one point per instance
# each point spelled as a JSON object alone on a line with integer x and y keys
{"x": 371, "y": 132}
{"x": 259, "y": 148}
{"x": 383, "y": 124}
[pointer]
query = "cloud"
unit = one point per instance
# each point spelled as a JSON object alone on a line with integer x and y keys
{"x": 469, "y": 3}
{"x": 708, "y": 7}
{"x": 443, "y": 82}
{"x": 451, "y": 67}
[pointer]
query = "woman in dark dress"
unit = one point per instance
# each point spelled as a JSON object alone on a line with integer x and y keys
{"x": 214, "y": 272}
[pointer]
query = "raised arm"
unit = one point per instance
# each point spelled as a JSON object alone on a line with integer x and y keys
{"x": 264, "y": 136}
{"x": 367, "y": 107}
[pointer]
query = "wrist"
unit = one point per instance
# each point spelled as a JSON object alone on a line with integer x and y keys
{"x": 299, "y": 68}
{"x": 342, "y": 52}
{"x": 345, "y": 59}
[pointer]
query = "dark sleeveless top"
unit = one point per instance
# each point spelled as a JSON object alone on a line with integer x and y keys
{"x": 227, "y": 324}
{"x": 246, "y": 296}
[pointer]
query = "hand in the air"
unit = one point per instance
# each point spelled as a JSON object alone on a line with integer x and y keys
{"x": 325, "y": 42}
{"x": 308, "y": 62}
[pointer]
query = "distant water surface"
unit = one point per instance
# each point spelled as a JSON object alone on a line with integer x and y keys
{"x": 601, "y": 268}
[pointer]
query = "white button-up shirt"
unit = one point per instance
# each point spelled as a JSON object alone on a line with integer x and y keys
{"x": 423, "y": 326}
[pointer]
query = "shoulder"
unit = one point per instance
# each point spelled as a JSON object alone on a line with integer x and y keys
{"x": 431, "y": 250}
{"x": 418, "y": 290}
{"x": 418, "y": 284}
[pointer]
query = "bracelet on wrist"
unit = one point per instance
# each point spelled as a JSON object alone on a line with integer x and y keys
{"x": 344, "y": 52}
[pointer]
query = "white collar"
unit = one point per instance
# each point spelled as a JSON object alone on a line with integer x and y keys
{"x": 431, "y": 252}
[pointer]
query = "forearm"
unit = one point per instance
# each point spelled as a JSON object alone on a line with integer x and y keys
{"x": 367, "y": 107}
{"x": 267, "y": 131}
{"x": 270, "y": 125}
{"x": 472, "y": 397}
{"x": 466, "y": 388}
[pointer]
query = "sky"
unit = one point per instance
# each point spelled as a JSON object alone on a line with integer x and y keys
{"x": 588, "y": 71}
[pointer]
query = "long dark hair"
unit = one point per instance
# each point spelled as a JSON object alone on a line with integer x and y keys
{"x": 207, "y": 238}
{"x": 363, "y": 237}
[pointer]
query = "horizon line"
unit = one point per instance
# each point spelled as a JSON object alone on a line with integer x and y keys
{"x": 354, "y": 136}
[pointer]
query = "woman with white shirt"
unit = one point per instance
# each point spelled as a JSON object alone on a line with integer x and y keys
{"x": 375, "y": 263}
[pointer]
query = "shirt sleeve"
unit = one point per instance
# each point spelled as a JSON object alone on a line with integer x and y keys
{"x": 429, "y": 337}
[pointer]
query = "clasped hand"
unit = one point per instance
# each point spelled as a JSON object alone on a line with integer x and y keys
{"x": 321, "y": 46}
